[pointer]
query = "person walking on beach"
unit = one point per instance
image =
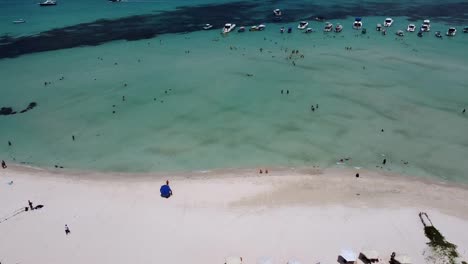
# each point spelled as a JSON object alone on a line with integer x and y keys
{"x": 4, "y": 166}
{"x": 30, "y": 205}
{"x": 67, "y": 230}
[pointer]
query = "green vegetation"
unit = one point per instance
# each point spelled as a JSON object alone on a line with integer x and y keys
{"x": 440, "y": 245}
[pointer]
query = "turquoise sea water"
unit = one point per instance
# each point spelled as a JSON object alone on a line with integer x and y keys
{"x": 200, "y": 100}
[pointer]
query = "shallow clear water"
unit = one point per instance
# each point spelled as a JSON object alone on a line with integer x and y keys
{"x": 202, "y": 110}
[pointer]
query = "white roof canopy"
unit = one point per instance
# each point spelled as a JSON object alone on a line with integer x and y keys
{"x": 348, "y": 255}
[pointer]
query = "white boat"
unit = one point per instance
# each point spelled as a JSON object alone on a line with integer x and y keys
{"x": 400, "y": 33}
{"x": 451, "y": 32}
{"x": 438, "y": 34}
{"x": 338, "y": 28}
{"x": 207, "y": 26}
{"x": 426, "y": 26}
{"x": 241, "y": 29}
{"x": 48, "y": 3}
{"x": 282, "y": 30}
{"x": 277, "y": 12}
{"x": 257, "y": 28}
{"x": 357, "y": 23}
{"x": 309, "y": 30}
{"x": 388, "y": 22}
{"x": 228, "y": 27}
{"x": 328, "y": 27}
{"x": 303, "y": 25}
{"x": 19, "y": 21}
{"x": 378, "y": 27}
{"x": 411, "y": 28}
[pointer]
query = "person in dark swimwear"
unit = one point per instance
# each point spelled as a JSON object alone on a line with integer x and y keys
{"x": 67, "y": 230}
{"x": 30, "y": 205}
{"x": 4, "y": 164}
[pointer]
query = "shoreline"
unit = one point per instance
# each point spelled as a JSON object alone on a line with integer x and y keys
{"x": 307, "y": 214}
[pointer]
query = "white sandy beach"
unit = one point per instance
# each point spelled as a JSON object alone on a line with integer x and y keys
{"x": 308, "y": 215}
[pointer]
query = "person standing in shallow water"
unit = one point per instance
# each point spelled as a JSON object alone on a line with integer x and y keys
{"x": 67, "y": 230}
{"x": 4, "y": 166}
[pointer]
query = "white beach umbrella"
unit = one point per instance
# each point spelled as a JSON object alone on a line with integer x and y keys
{"x": 348, "y": 255}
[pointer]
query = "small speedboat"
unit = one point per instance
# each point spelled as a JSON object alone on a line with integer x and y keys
{"x": 426, "y": 26}
{"x": 257, "y": 28}
{"x": 465, "y": 30}
{"x": 338, "y": 28}
{"x": 289, "y": 29}
{"x": 388, "y": 22}
{"x": 378, "y": 27}
{"x": 48, "y": 3}
{"x": 228, "y": 27}
{"x": 309, "y": 30}
{"x": 302, "y": 25}
{"x": 400, "y": 33}
{"x": 277, "y": 13}
{"x": 438, "y": 34}
{"x": 357, "y": 23}
{"x": 328, "y": 27}
{"x": 241, "y": 29}
{"x": 19, "y": 21}
{"x": 411, "y": 28}
{"x": 282, "y": 30}
{"x": 207, "y": 26}
{"x": 451, "y": 32}
{"x": 384, "y": 32}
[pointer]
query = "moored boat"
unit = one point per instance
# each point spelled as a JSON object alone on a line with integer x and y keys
{"x": 228, "y": 27}
{"x": 357, "y": 23}
{"x": 388, "y": 22}
{"x": 19, "y": 21}
{"x": 426, "y": 26}
{"x": 302, "y": 25}
{"x": 328, "y": 27}
{"x": 277, "y": 13}
{"x": 411, "y": 28}
{"x": 438, "y": 34}
{"x": 400, "y": 33}
{"x": 48, "y": 3}
{"x": 241, "y": 29}
{"x": 338, "y": 28}
{"x": 451, "y": 32}
{"x": 207, "y": 26}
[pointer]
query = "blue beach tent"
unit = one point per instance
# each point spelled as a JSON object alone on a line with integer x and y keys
{"x": 166, "y": 191}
